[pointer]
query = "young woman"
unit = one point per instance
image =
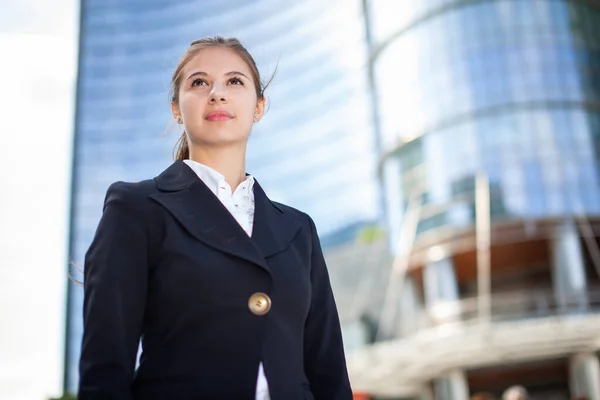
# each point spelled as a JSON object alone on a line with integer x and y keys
{"x": 227, "y": 290}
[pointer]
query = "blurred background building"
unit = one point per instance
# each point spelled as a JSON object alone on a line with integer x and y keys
{"x": 489, "y": 117}
{"x": 448, "y": 151}
{"x": 314, "y": 149}
{"x": 37, "y": 75}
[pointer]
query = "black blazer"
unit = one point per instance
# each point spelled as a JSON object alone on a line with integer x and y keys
{"x": 170, "y": 265}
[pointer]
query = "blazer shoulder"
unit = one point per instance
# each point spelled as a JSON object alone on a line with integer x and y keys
{"x": 300, "y": 216}
{"x": 134, "y": 194}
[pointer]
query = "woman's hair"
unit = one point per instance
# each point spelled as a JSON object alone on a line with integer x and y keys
{"x": 182, "y": 150}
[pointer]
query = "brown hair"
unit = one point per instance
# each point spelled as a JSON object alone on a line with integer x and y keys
{"x": 182, "y": 151}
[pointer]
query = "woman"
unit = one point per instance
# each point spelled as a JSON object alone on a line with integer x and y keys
{"x": 227, "y": 290}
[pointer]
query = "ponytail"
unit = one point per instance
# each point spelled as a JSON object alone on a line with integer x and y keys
{"x": 182, "y": 150}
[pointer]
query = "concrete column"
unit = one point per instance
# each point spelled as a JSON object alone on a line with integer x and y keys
{"x": 584, "y": 375}
{"x": 410, "y": 309}
{"x": 452, "y": 386}
{"x": 441, "y": 291}
{"x": 426, "y": 394}
{"x": 570, "y": 283}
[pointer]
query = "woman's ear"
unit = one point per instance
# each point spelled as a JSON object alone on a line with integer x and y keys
{"x": 175, "y": 111}
{"x": 260, "y": 108}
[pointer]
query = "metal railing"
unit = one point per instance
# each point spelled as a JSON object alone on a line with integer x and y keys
{"x": 511, "y": 306}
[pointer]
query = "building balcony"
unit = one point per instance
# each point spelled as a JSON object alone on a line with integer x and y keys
{"x": 523, "y": 326}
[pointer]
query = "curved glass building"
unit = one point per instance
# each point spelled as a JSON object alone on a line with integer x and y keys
{"x": 507, "y": 91}
{"x": 507, "y": 87}
{"x": 313, "y": 150}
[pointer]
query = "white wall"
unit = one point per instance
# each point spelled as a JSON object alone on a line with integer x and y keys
{"x": 38, "y": 44}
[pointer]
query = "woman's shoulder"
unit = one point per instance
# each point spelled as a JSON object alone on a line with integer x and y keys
{"x": 131, "y": 193}
{"x": 300, "y": 216}
{"x": 289, "y": 210}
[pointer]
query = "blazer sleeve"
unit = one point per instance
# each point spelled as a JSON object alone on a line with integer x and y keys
{"x": 324, "y": 359}
{"x": 115, "y": 282}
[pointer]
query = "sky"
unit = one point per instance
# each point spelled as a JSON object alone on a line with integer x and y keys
{"x": 38, "y": 44}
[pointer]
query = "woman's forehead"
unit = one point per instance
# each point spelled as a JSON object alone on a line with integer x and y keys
{"x": 217, "y": 61}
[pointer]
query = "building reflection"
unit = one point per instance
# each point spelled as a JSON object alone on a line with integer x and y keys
{"x": 508, "y": 91}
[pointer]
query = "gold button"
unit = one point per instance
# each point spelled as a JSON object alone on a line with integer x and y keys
{"x": 259, "y": 304}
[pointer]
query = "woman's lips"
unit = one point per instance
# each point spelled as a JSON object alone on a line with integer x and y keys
{"x": 218, "y": 116}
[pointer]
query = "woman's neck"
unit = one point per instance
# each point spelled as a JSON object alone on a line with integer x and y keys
{"x": 229, "y": 161}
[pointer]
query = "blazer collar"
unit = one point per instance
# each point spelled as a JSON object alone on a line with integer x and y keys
{"x": 203, "y": 215}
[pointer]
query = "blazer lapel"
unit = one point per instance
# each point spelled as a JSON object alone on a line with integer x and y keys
{"x": 201, "y": 213}
{"x": 274, "y": 229}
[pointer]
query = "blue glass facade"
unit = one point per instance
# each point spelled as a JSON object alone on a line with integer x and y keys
{"x": 313, "y": 149}
{"x": 510, "y": 88}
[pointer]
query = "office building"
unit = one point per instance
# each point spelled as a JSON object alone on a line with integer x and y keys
{"x": 489, "y": 115}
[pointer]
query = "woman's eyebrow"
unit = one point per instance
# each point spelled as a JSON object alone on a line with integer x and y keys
{"x": 236, "y": 73}
{"x": 202, "y": 73}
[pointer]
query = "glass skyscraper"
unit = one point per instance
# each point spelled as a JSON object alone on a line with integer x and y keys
{"x": 508, "y": 87}
{"x": 313, "y": 150}
{"x": 508, "y": 90}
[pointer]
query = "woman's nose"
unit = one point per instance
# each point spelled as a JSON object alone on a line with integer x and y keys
{"x": 218, "y": 94}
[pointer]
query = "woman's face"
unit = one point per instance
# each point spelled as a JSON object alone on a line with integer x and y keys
{"x": 217, "y": 98}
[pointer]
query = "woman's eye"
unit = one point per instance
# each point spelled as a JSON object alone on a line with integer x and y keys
{"x": 236, "y": 81}
{"x": 199, "y": 82}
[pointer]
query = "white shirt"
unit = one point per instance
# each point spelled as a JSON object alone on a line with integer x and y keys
{"x": 241, "y": 206}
